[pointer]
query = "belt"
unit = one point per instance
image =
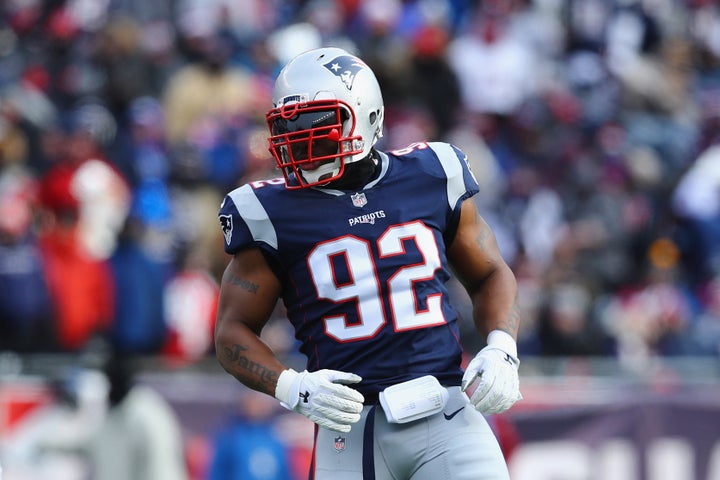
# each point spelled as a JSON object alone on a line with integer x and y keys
{"x": 373, "y": 398}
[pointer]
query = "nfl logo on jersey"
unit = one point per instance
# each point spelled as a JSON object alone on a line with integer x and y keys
{"x": 358, "y": 199}
{"x": 339, "y": 444}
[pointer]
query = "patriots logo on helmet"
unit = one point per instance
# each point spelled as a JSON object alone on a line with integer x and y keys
{"x": 227, "y": 227}
{"x": 346, "y": 67}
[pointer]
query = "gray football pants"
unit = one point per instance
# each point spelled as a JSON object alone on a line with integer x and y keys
{"x": 456, "y": 444}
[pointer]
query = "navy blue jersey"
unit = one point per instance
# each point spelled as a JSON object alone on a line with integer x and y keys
{"x": 364, "y": 272}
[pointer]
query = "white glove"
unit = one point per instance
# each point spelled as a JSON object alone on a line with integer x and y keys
{"x": 496, "y": 367}
{"x": 322, "y": 397}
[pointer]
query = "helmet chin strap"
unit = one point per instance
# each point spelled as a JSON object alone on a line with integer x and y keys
{"x": 327, "y": 170}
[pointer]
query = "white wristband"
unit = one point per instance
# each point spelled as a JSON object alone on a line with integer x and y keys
{"x": 284, "y": 384}
{"x": 502, "y": 340}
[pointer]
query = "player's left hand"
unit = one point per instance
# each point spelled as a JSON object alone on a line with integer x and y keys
{"x": 498, "y": 387}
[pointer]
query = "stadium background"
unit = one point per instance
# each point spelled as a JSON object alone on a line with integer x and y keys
{"x": 590, "y": 124}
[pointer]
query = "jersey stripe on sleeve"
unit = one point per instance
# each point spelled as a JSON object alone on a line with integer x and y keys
{"x": 450, "y": 162}
{"x": 254, "y": 215}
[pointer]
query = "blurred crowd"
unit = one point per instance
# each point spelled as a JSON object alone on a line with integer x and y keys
{"x": 591, "y": 125}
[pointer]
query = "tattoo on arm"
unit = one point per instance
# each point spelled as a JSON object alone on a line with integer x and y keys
{"x": 511, "y": 324}
{"x": 242, "y": 283}
{"x": 484, "y": 234}
{"x": 255, "y": 376}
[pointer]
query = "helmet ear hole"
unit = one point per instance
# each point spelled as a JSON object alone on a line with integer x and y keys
{"x": 373, "y": 117}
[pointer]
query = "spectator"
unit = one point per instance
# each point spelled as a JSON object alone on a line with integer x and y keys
{"x": 80, "y": 287}
{"x": 25, "y": 308}
{"x": 128, "y": 73}
{"x": 705, "y": 332}
{"x": 249, "y": 446}
{"x": 141, "y": 437}
{"x": 138, "y": 323}
{"x": 696, "y": 201}
{"x": 490, "y": 54}
{"x": 84, "y": 201}
{"x": 567, "y": 327}
{"x": 651, "y": 317}
{"x": 206, "y": 89}
{"x": 190, "y": 300}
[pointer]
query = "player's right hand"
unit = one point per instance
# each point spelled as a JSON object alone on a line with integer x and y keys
{"x": 322, "y": 396}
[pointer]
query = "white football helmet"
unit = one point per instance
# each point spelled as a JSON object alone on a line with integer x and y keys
{"x": 328, "y": 112}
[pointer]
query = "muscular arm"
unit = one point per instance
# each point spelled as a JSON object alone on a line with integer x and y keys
{"x": 478, "y": 264}
{"x": 248, "y": 294}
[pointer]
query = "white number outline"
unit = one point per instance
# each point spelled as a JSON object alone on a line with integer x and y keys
{"x": 410, "y": 148}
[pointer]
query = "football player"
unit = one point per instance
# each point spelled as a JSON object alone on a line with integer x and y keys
{"x": 359, "y": 244}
